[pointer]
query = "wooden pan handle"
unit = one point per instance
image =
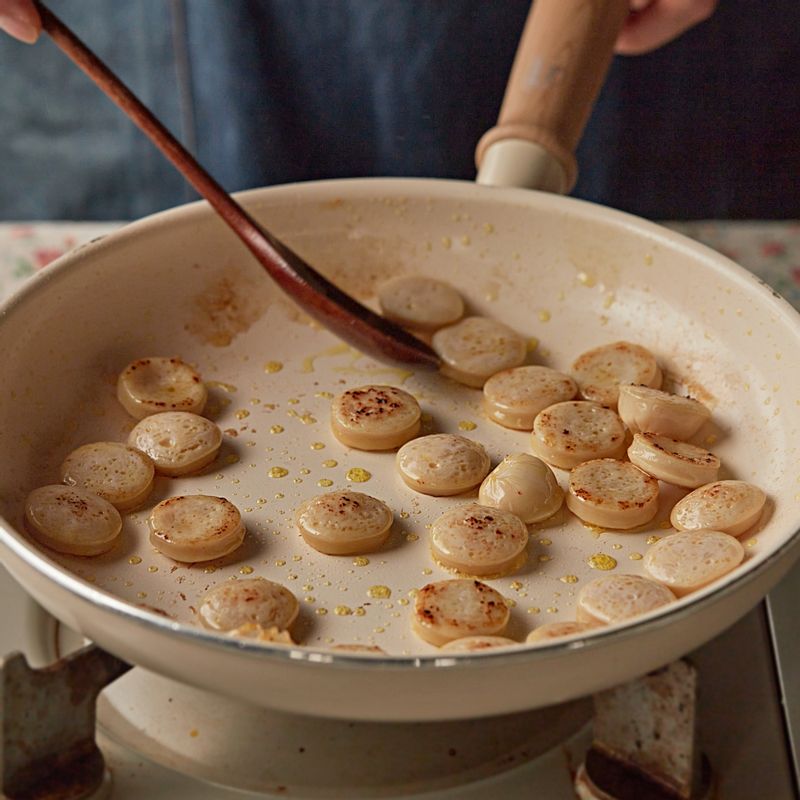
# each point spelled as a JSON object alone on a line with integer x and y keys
{"x": 561, "y": 63}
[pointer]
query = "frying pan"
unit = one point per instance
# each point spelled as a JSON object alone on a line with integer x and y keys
{"x": 567, "y": 274}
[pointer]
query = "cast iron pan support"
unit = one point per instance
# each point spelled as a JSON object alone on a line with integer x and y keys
{"x": 48, "y": 725}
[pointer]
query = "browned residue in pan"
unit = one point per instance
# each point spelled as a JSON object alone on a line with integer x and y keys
{"x": 227, "y": 306}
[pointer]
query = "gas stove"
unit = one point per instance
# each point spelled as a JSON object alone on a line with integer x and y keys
{"x": 162, "y": 739}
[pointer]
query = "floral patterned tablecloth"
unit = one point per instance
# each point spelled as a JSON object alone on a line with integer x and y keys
{"x": 769, "y": 249}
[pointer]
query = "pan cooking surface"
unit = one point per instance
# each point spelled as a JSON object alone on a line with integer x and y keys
{"x": 565, "y": 283}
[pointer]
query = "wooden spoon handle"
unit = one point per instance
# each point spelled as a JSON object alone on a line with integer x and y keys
{"x": 320, "y": 298}
{"x": 561, "y": 63}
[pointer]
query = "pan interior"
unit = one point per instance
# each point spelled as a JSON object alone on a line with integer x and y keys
{"x": 566, "y": 275}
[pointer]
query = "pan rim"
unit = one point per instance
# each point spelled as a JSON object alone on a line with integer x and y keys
{"x": 14, "y": 541}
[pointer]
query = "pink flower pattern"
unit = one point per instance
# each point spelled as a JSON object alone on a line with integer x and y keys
{"x": 769, "y": 249}
{"x": 45, "y": 255}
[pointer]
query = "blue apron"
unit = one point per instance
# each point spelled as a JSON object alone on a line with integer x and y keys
{"x": 271, "y": 91}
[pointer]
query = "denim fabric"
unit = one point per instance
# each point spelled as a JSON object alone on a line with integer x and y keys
{"x": 270, "y": 91}
{"x": 65, "y": 150}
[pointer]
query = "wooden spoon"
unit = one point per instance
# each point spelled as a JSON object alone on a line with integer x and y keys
{"x": 316, "y": 295}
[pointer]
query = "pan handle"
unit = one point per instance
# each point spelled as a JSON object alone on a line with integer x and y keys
{"x": 561, "y": 63}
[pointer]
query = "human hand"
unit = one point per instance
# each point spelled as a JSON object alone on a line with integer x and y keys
{"x": 656, "y": 22}
{"x": 20, "y": 19}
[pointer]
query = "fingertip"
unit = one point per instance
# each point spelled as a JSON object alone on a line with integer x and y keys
{"x": 21, "y": 20}
{"x": 20, "y": 29}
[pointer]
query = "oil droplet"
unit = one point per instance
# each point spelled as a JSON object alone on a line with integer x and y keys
{"x": 141, "y": 595}
{"x": 488, "y": 227}
{"x": 261, "y": 501}
{"x": 209, "y": 569}
{"x": 231, "y": 458}
{"x": 546, "y": 542}
{"x": 446, "y": 242}
{"x": 586, "y": 280}
{"x": 544, "y": 315}
{"x": 307, "y": 419}
{"x": 317, "y": 445}
{"x": 466, "y": 241}
{"x": 635, "y": 556}
{"x": 292, "y": 401}
{"x": 194, "y": 733}
{"x": 152, "y": 568}
{"x": 297, "y": 558}
{"x": 653, "y": 539}
{"x": 516, "y": 585}
{"x": 752, "y": 542}
{"x": 665, "y": 524}
{"x": 378, "y": 630}
{"x": 360, "y": 611}
{"x": 510, "y": 602}
{"x": 343, "y": 611}
{"x": 360, "y": 561}
{"x": 358, "y": 475}
{"x": 280, "y": 563}
{"x": 533, "y": 609}
{"x": 336, "y": 350}
{"x": 246, "y": 570}
{"x": 532, "y": 344}
{"x": 412, "y": 537}
{"x": 276, "y": 429}
{"x": 321, "y": 612}
{"x": 331, "y": 462}
{"x": 552, "y": 610}
{"x": 325, "y": 395}
{"x": 279, "y": 495}
{"x": 325, "y": 482}
{"x": 379, "y": 592}
{"x": 278, "y": 472}
{"x": 310, "y": 599}
{"x": 403, "y": 601}
{"x": 308, "y": 587}
{"x": 273, "y": 366}
{"x": 466, "y": 425}
{"x": 427, "y": 571}
{"x": 616, "y": 547}
{"x": 305, "y": 471}
{"x": 609, "y": 299}
{"x": 602, "y": 561}
{"x": 569, "y": 579}
{"x": 406, "y": 515}
{"x": 134, "y": 560}
{"x": 593, "y": 528}
{"x": 242, "y": 413}
{"x": 544, "y": 557}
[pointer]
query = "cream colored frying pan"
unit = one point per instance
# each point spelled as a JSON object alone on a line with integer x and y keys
{"x": 567, "y": 274}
